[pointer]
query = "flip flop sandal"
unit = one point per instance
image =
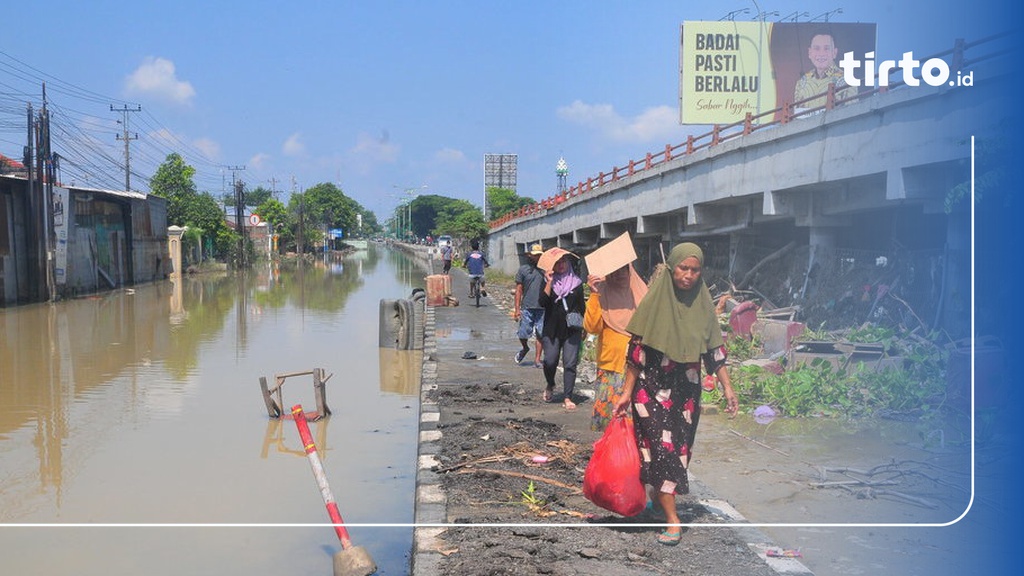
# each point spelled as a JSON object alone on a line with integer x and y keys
{"x": 669, "y": 539}
{"x": 548, "y": 392}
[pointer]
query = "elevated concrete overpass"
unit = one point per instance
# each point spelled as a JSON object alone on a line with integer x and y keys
{"x": 857, "y": 195}
{"x": 906, "y": 148}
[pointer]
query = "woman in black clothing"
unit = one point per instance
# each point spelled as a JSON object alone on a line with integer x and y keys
{"x": 562, "y": 299}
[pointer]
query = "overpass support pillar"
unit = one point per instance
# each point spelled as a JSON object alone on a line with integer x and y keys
{"x": 823, "y": 241}
{"x": 955, "y": 299}
{"x": 823, "y": 237}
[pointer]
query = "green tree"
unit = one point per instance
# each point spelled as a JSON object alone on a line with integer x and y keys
{"x": 370, "y": 226}
{"x": 249, "y": 197}
{"x": 173, "y": 178}
{"x": 436, "y": 215}
{"x": 186, "y": 206}
{"x": 303, "y": 229}
{"x": 326, "y": 205}
{"x": 501, "y": 201}
{"x": 460, "y": 222}
{"x": 425, "y": 212}
{"x": 258, "y": 196}
{"x": 203, "y": 211}
{"x": 273, "y": 212}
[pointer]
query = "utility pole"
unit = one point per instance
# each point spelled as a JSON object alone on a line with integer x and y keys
{"x": 238, "y": 188}
{"x": 34, "y": 226}
{"x": 238, "y": 201}
{"x": 234, "y": 171}
{"x": 48, "y": 174}
{"x": 240, "y": 221}
{"x": 127, "y": 137}
{"x": 302, "y": 226}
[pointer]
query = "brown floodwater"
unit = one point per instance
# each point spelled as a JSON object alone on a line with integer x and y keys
{"x": 134, "y": 438}
{"x": 854, "y": 497}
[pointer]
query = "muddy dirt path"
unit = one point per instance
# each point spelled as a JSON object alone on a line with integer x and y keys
{"x": 801, "y": 483}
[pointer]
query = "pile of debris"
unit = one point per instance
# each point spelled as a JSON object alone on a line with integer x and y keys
{"x": 783, "y": 337}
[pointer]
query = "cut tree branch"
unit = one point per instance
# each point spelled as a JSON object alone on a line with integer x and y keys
{"x": 574, "y": 489}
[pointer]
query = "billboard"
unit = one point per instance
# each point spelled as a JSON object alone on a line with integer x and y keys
{"x": 500, "y": 171}
{"x": 728, "y": 69}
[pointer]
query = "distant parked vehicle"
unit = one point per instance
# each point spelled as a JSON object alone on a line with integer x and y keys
{"x": 443, "y": 241}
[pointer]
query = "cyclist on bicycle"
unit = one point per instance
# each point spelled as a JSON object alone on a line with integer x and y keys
{"x": 475, "y": 263}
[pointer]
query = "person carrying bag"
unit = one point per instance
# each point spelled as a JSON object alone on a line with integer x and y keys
{"x": 561, "y": 297}
{"x": 612, "y": 477}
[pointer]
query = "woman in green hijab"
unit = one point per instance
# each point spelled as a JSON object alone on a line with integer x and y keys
{"x": 673, "y": 330}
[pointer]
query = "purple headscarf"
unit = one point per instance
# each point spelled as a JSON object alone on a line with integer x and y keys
{"x": 563, "y": 284}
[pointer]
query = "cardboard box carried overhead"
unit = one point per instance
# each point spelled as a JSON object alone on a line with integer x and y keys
{"x": 611, "y": 256}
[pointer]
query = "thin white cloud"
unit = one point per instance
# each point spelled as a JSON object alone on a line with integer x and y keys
{"x": 590, "y": 115}
{"x": 156, "y": 77}
{"x": 165, "y": 136}
{"x": 450, "y": 156}
{"x": 259, "y": 161}
{"x": 375, "y": 150}
{"x": 656, "y": 124}
{"x": 293, "y": 146}
{"x": 208, "y": 147}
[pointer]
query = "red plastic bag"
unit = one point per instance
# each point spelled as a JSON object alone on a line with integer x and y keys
{"x": 612, "y": 478}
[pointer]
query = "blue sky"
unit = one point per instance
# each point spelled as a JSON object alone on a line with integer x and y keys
{"x": 378, "y": 97}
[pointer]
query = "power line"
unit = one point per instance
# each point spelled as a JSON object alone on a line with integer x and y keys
{"x": 83, "y": 138}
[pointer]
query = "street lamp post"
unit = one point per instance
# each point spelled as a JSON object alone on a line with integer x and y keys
{"x": 411, "y": 192}
{"x": 397, "y": 226}
{"x": 827, "y": 15}
{"x": 731, "y": 16}
{"x": 795, "y": 16}
{"x": 400, "y": 221}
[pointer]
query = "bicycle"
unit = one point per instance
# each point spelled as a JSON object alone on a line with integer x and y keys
{"x": 474, "y": 288}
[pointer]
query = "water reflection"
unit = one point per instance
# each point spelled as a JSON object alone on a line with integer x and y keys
{"x": 144, "y": 405}
{"x": 275, "y": 438}
{"x": 55, "y": 356}
{"x": 400, "y": 371}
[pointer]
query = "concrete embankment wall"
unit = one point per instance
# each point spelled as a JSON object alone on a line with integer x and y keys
{"x": 425, "y": 256}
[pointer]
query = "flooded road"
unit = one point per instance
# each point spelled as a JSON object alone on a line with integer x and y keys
{"x": 853, "y": 496}
{"x": 142, "y": 407}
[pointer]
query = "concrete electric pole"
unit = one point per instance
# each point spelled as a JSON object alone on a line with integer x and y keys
{"x": 127, "y": 137}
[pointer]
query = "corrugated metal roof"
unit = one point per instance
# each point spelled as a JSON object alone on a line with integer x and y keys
{"x": 116, "y": 193}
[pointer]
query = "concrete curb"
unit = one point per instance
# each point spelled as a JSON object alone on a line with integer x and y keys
{"x": 431, "y": 501}
{"x": 756, "y": 540}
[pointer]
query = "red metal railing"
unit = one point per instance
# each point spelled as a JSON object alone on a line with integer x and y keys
{"x": 721, "y": 133}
